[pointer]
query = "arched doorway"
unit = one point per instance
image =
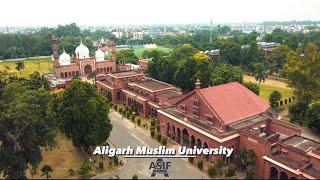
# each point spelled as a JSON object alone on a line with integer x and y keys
{"x": 173, "y": 137}
{"x": 283, "y": 175}
{"x": 87, "y": 69}
{"x": 168, "y": 130}
{"x": 273, "y": 173}
{"x": 185, "y": 137}
{"x": 178, "y": 138}
{"x": 206, "y": 157}
{"x": 192, "y": 141}
{"x": 199, "y": 143}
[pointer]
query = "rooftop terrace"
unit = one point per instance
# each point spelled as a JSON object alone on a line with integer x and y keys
{"x": 301, "y": 143}
{"x": 153, "y": 85}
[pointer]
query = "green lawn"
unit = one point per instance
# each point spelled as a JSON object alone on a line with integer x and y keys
{"x": 265, "y": 91}
{"x": 138, "y": 50}
{"x": 43, "y": 65}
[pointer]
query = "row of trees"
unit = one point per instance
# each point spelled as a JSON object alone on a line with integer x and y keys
{"x": 30, "y": 116}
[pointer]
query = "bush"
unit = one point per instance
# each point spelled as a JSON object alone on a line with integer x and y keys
{"x": 191, "y": 159}
{"x": 153, "y": 123}
{"x": 158, "y": 128}
{"x": 115, "y": 107}
{"x": 233, "y": 177}
{"x": 135, "y": 176}
{"x": 101, "y": 165}
{"x": 120, "y": 110}
{"x": 164, "y": 141}
{"x": 139, "y": 121}
{"x": 126, "y": 108}
{"x": 200, "y": 164}
{"x": 152, "y": 128}
{"x": 133, "y": 117}
{"x": 152, "y": 133}
{"x": 71, "y": 172}
{"x": 116, "y": 161}
{"x": 212, "y": 171}
{"x": 128, "y": 115}
{"x": 281, "y": 102}
{"x": 158, "y": 137}
{"x": 231, "y": 171}
{"x": 249, "y": 173}
{"x": 84, "y": 168}
{"x": 254, "y": 87}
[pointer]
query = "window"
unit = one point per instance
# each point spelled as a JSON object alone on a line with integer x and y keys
{"x": 196, "y": 114}
{"x": 209, "y": 118}
{"x": 196, "y": 102}
{"x": 183, "y": 107}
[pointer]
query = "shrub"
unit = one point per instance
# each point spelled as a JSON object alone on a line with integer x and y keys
{"x": 152, "y": 128}
{"x": 128, "y": 115}
{"x": 84, "y": 168}
{"x": 231, "y": 171}
{"x": 254, "y": 87}
{"x": 200, "y": 164}
{"x": 233, "y": 177}
{"x": 126, "y": 108}
{"x": 139, "y": 121}
{"x": 120, "y": 110}
{"x": 158, "y": 128}
{"x": 135, "y": 176}
{"x": 158, "y": 137}
{"x": 281, "y": 102}
{"x": 164, "y": 141}
{"x": 71, "y": 172}
{"x": 115, "y": 107}
{"x": 116, "y": 160}
{"x": 191, "y": 159}
{"x": 101, "y": 165}
{"x": 152, "y": 133}
{"x": 249, "y": 173}
{"x": 133, "y": 117}
{"x": 153, "y": 123}
{"x": 212, "y": 171}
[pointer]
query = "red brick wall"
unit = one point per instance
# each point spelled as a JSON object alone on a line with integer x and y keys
{"x": 283, "y": 128}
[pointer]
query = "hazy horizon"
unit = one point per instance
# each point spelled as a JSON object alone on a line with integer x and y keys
{"x": 144, "y": 12}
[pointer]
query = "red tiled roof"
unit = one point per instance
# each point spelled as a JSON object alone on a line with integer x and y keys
{"x": 233, "y": 102}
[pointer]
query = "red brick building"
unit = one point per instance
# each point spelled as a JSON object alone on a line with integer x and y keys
{"x": 230, "y": 115}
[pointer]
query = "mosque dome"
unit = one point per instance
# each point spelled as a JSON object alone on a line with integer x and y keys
{"x": 64, "y": 58}
{"x": 82, "y": 52}
{"x": 99, "y": 55}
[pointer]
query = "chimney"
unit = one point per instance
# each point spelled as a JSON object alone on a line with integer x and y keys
{"x": 198, "y": 84}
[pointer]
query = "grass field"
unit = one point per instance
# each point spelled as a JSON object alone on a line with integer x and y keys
{"x": 43, "y": 65}
{"x": 271, "y": 85}
{"x": 138, "y": 50}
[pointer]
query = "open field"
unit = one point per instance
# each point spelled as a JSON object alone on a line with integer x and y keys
{"x": 43, "y": 65}
{"x": 271, "y": 85}
{"x": 138, "y": 50}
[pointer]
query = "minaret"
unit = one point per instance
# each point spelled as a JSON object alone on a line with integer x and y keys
{"x": 54, "y": 41}
{"x": 211, "y": 25}
{"x": 198, "y": 84}
{"x": 113, "y": 46}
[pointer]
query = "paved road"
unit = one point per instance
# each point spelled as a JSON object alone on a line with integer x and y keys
{"x": 125, "y": 134}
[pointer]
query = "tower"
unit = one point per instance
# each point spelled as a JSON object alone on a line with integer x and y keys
{"x": 211, "y": 25}
{"x": 113, "y": 46}
{"x": 54, "y": 41}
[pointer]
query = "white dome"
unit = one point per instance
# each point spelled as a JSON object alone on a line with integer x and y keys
{"x": 82, "y": 52}
{"x": 64, "y": 59}
{"x": 99, "y": 55}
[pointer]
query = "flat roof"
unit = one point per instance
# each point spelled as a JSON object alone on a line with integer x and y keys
{"x": 125, "y": 73}
{"x": 153, "y": 85}
{"x": 301, "y": 143}
{"x": 169, "y": 94}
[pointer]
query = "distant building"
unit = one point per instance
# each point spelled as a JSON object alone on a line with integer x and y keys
{"x": 213, "y": 54}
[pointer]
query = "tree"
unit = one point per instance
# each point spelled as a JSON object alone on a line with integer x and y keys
{"x": 127, "y": 55}
{"x": 246, "y": 159}
{"x": 260, "y": 74}
{"x": 312, "y": 116}
{"x": 274, "y": 97}
{"x": 37, "y": 81}
{"x": 92, "y": 75}
{"x": 19, "y": 66}
{"x": 184, "y": 76}
{"x": 302, "y": 69}
{"x": 252, "y": 87}
{"x": 46, "y": 170}
{"x": 277, "y": 59}
{"x": 230, "y": 52}
{"x": 26, "y": 126}
{"x": 297, "y": 111}
{"x": 224, "y": 73}
{"x": 83, "y": 115}
{"x": 201, "y": 57}
{"x": 184, "y": 52}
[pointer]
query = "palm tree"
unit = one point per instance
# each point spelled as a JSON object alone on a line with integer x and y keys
{"x": 46, "y": 170}
{"x": 19, "y": 66}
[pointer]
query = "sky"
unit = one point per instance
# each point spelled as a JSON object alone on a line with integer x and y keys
{"x": 115, "y": 12}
